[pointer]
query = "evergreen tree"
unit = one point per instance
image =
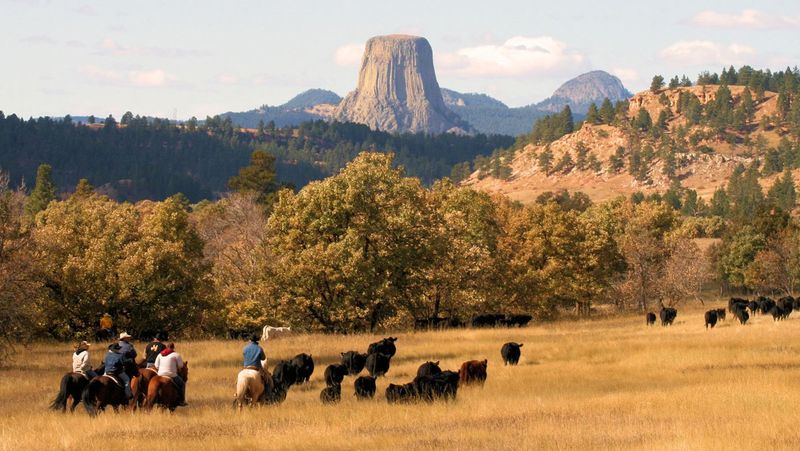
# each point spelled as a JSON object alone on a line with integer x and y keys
{"x": 663, "y": 119}
{"x": 593, "y": 115}
{"x": 83, "y": 189}
{"x": 43, "y": 192}
{"x": 607, "y": 111}
{"x": 258, "y": 177}
{"x": 581, "y": 153}
{"x": 565, "y": 164}
{"x": 720, "y": 203}
{"x": 545, "y": 160}
{"x": 91, "y": 119}
{"x": 783, "y": 193}
{"x": 656, "y": 84}
{"x": 110, "y": 123}
{"x": 674, "y": 82}
{"x": 643, "y": 121}
{"x": 685, "y": 82}
{"x": 616, "y": 162}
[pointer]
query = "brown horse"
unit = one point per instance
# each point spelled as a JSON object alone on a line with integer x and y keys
{"x": 104, "y": 391}
{"x": 72, "y": 385}
{"x": 161, "y": 390}
{"x": 139, "y": 386}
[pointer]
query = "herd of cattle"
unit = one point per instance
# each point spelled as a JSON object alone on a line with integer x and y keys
{"x": 431, "y": 382}
{"x": 741, "y": 309}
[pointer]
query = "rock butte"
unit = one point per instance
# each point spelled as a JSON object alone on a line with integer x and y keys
{"x": 397, "y": 89}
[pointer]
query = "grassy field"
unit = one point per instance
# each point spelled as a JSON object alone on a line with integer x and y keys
{"x": 611, "y": 383}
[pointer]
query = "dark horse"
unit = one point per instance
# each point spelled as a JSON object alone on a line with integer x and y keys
{"x": 103, "y": 391}
{"x": 72, "y": 385}
{"x": 139, "y": 386}
{"x": 163, "y": 392}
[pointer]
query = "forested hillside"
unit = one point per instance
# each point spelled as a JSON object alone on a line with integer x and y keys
{"x": 153, "y": 158}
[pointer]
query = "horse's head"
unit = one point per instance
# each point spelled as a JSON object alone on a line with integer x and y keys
{"x": 184, "y": 371}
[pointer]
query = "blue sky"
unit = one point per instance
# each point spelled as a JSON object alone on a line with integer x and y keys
{"x": 201, "y": 57}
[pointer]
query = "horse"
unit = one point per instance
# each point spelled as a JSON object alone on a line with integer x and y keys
{"x": 72, "y": 385}
{"x": 139, "y": 386}
{"x": 103, "y": 391}
{"x": 250, "y": 389}
{"x": 162, "y": 391}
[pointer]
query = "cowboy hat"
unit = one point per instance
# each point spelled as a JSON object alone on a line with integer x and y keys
{"x": 124, "y": 335}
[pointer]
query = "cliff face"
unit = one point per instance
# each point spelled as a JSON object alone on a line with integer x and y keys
{"x": 583, "y": 90}
{"x": 397, "y": 89}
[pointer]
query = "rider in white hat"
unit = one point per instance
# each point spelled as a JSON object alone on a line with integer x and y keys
{"x": 126, "y": 348}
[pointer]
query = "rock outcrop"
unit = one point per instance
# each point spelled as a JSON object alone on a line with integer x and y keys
{"x": 583, "y": 90}
{"x": 397, "y": 89}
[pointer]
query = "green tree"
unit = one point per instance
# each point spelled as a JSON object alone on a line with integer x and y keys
{"x": 783, "y": 193}
{"x": 83, "y": 188}
{"x": 643, "y": 121}
{"x": 657, "y": 84}
{"x": 43, "y": 192}
{"x": 607, "y": 112}
{"x": 593, "y": 115}
{"x": 258, "y": 177}
{"x": 545, "y": 160}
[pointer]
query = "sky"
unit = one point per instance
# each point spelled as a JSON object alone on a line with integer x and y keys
{"x": 197, "y": 58}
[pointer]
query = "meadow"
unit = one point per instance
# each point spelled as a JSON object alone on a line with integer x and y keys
{"x": 593, "y": 384}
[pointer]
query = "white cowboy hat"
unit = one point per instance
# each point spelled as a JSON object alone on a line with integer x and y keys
{"x": 124, "y": 335}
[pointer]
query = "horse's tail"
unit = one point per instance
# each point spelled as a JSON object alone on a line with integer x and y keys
{"x": 242, "y": 389}
{"x": 89, "y": 398}
{"x": 60, "y": 403}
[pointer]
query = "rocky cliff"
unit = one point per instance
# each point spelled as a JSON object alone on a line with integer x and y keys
{"x": 583, "y": 90}
{"x": 397, "y": 89}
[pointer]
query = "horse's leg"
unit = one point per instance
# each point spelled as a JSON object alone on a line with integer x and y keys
{"x": 75, "y": 401}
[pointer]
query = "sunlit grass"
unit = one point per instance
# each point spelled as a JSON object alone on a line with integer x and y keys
{"x": 611, "y": 383}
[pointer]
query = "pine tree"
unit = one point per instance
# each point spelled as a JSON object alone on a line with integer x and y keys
{"x": 656, "y": 84}
{"x": 643, "y": 120}
{"x": 607, "y": 111}
{"x": 43, "y": 192}
{"x": 593, "y": 115}
{"x": 720, "y": 203}
{"x": 83, "y": 189}
{"x": 258, "y": 177}
{"x": 674, "y": 82}
{"x": 783, "y": 193}
{"x": 545, "y": 160}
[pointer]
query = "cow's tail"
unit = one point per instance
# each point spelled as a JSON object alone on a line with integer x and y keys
{"x": 89, "y": 398}
{"x": 60, "y": 403}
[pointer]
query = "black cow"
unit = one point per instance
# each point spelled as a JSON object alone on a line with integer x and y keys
{"x": 667, "y": 315}
{"x": 284, "y": 374}
{"x": 304, "y": 365}
{"x": 428, "y": 369}
{"x": 765, "y": 304}
{"x": 331, "y": 394}
{"x": 334, "y": 374}
{"x": 365, "y": 387}
{"x": 432, "y": 322}
{"x": 650, "y": 318}
{"x": 733, "y": 302}
{"x": 516, "y": 320}
{"x": 378, "y": 364}
{"x": 786, "y": 304}
{"x": 711, "y": 319}
{"x": 778, "y": 314}
{"x": 437, "y": 386}
{"x": 510, "y": 353}
{"x": 741, "y": 314}
{"x": 385, "y": 346}
{"x": 488, "y": 320}
{"x": 753, "y": 307}
{"x": 721, "y": 314}
{"x": 354, "y": 362}
{"x": 401, "y": 393}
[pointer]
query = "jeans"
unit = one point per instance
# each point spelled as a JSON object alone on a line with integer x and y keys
{"x": 91, "y": 374}
{"x": 127, "y": 381}
{"x": 181, "y": 384}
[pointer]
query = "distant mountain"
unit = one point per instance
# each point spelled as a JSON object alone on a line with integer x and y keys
{"x": 583, "y": 90}
{"x": 489, "y": 115}
{"x": 301, "y": 108}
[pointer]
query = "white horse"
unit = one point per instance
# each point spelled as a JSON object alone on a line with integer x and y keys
{"x": 271, "y": 332}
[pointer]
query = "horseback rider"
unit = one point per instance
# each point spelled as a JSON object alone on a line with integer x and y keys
{"x": 106, "y": 327}
{"x": 167, "y": 363}
{"x": 80, "y": 361}
{"x": 154, "y": 348}
{"x": 253, "y": 357}
{"x": 127, "y": 348}
{"x": 115, "y": 366}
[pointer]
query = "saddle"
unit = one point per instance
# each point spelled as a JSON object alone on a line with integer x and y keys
{"x": 115, "y": 379}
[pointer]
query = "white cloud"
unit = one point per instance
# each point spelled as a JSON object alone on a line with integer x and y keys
{"x": 747, "y": 18}
{"x": 349, "y": 55}
{"x": 626, "y": 75}
{"x": 137, "y": 78}
{"x": 99, "y": 74}
{"x": 518, "y": 56}
{"x": 150, "y": 78}
{"x": 707, "y": 52}
{"x": 227, "y": 79}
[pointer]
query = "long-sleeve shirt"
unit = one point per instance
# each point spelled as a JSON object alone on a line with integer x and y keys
{"x": 127, "y": 350}
{"x": 80, "y": 362}
{"x": 253, "y": 355}
{"x": 168, "y": 365}
{"x": 114, "y": 363}
{"x": 153, "y": 350}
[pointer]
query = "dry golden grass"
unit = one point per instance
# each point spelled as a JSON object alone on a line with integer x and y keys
{"x": 611, "y": 383}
